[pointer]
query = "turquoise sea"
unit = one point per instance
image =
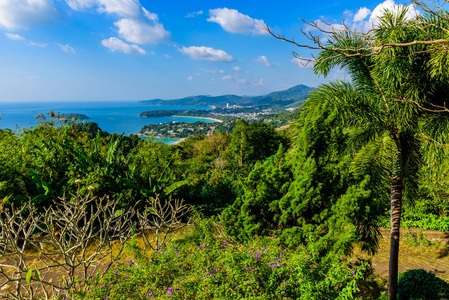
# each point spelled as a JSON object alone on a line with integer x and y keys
{"x": 118, "y": 116}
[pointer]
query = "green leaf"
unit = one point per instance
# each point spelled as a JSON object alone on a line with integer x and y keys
{"x": 28, "y": 277}
{"x": 168, "y": 190}
{"x": 37, "y": 274}
{"x": 37, "y": 180}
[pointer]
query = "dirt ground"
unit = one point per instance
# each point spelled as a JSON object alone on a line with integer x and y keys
{"x": 419, "y": 249}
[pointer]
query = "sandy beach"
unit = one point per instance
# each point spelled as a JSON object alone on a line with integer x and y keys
{"x": 216, "y": 120}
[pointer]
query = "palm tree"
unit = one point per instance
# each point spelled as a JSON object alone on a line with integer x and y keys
{"x": 381, "y": 105}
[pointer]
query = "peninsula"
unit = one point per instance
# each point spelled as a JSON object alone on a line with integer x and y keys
{"x": 70, "y": 116}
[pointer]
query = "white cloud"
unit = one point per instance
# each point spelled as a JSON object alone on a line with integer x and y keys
{"x": 194, "y": 14}
{"x": 361, "y": 24}
{"x": 14, "y": 37}
{"x": 80, "y": 4}
{"x": 236, "y": 68}
{"x": 167, "y": 56}
{"x": 348, "y": 14}
{"x": 259, "y": 83}
{"x": 263, "y": 60}
{"x": 234, "y": 22}
{"x": 115, "y": 44}
{"x": 302, "y": 63}
{"x": 142, "y": 32}
{"x": 123, "y": 8}
{"x": 42, "y": 45}
{"x": 226, "y": 77}
{"x": 206, "y": 53}
{"x": 136, "y": 24}
{"x": 361, "y": 14}
{"x": 239, "y": 80}
{"x": 391, "y": 6}
{"x": 17, "y": 37}
{"x": 189, "y": 78}
{"x": 221, "y": 71}
{"x": 16, "y": 14}
{"x": 66, "y": 48}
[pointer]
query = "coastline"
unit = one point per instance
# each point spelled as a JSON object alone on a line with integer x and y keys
{"x": 165, "y": 140}
{"x": 207, "y": 118}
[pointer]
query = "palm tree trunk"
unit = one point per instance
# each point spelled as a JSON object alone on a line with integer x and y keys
{"x": 395, "y": 212}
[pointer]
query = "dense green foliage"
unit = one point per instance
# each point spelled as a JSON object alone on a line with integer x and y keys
{"x": 420, "y": 284}
{"x": 213, "y": 268}
{"x": 309, "y": 196}
{"x": 44, "y": 163}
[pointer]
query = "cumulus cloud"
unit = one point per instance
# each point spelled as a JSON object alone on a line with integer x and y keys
{"x": 135, "y": 25}
{"x": 236, "y": 68}
{"x": 360, "y": 23}
{"x": 80, "y": 4}
{"x": 141, "y": 32}
{"x": 22, "y": 14}
{"x": 235, "y": 22}
{"x": 194, "y": 14}
{"x": 189, "y": 78}
{"x": 206, "y": 53}
{"x": 226, "y": 77}
{"x": 391, "y": 6}
{"x": 361, "y": 14}
{"x": 263, "y": 60}
{"x": 14, "y": 37}
{"x": 221, "y": 71}
{"x": 120, "y": 7}
{"x": 66, "y": 48}
{"x": 115, "y": 44}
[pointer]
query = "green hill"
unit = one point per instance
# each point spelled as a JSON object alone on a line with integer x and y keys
{"x": 282, "y": 98}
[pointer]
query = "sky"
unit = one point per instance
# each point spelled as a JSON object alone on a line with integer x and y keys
{"x": 131, "y": 50}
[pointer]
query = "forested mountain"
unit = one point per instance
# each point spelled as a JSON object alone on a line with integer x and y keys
{"x": 297, "y": 93}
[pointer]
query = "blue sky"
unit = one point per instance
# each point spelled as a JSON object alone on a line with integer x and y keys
{"x": 90, "y": 50}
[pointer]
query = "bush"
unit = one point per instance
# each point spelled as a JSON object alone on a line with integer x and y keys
{"x": 419, "y": 284}
{"x": 220, "y": 270}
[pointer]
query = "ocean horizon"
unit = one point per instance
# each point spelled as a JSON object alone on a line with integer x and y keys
{"x": 119, "y": 117}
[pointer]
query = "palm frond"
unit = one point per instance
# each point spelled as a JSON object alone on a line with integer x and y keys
{"x": 352, "y": 106}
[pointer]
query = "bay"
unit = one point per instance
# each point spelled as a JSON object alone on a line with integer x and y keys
{"x": 113, "y": 117}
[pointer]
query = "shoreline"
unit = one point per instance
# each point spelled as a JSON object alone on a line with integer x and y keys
{"x": 173, "y": 140}
{"x": 207, "y": 118}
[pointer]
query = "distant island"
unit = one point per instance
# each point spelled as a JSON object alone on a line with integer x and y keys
{"x": 80, "y": 117}
{"x": 294, "y": 95}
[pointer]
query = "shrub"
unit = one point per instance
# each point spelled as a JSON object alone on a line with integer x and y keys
{"x": 219, "y": 270}
{"x": 420, "y": 284}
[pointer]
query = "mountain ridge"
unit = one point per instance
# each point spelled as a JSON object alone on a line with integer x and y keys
{"x": 292, "y": 95}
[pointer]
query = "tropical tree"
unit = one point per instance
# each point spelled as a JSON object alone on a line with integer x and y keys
{"x": 383, "y": 105}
